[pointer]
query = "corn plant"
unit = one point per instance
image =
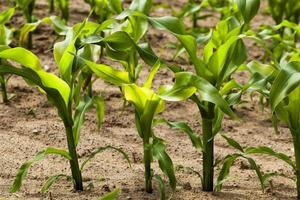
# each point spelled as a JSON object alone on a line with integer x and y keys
{"x": 223, "y": 54}
{"x": 288, "y": 10}
{"x": 63, "y": 6}
{"x": 64, "y": 95}
{"x": 284, "y": 100}
{"x": 103, "y": 9}
{"x": 147, "y": 104}
{"x": 5, "y": 40}
{"x": 27, "y": 7}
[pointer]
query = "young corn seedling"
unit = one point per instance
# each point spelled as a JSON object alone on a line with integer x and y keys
{"x": 64, "y": 95}
{"x": 58, "y": 93}
{"x": 5, "y": 40}
{"x": 211, "y": 88}
{"x": 147, "y": 105}
{"x": 284, "y": 100}
{"x": 103, "y": 9}
{"x": 281, "y": 10}
{"x": 63, "y": 6}
{"x": 27, "y": 7}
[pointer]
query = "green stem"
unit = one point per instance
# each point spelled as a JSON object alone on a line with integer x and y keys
{"x": 145, "y": 134}
{"x": 30, "y": 20}
{"x": 51, "y": 10}
{"x": 147, "y": 164}
{"x": 4, "y": 91}
{"x": 76, "y": 173}
{"x": 296, "y": 140}
{"x": 208, "y": 148}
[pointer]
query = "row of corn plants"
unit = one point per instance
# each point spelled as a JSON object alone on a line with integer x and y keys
{"x": 120, "y": 35}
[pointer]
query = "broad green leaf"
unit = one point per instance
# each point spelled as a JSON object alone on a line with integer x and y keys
{"x": 248, "y": 8}
{"x": 140, "y": 96}
{"x": 223, "y": 175}
{"x": 165, "y": 162}
{"x": 116, "y": 6}
{"x": 30, "y": 61}
{"x": 22, "y": 173}
{"x": 6, "y": 15}
{"x": 182, "y": 89}
{"x": 287, "y": 80}
{"x": 108, "y": 73}
{"x": 57, "y": 90}
{"x": 23, "y": 57}
{"x": 25, "y": 30}
{"x": 186, "y": 84}
{"x": 143, "y": 6}
{"x": 79, "y": 117}
{"x": 151, "y": 75}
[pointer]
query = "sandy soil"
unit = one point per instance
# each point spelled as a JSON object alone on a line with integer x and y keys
{"x": 29, "y": 124}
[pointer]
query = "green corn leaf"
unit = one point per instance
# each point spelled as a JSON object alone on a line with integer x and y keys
{"x": 270, "y": 152}
{"x": 79, "y": 117}
{"x": 22, "y": 173}
{"x": 22, "y": 56}
{"x": 51, "y": 180}
{"x": 143, "y": 6}
{"x": 116, "y": 6}
{"x": 185, "y": 86}
{"x": 5, "y": 35}
{"x": 64, "y": 8}
{"x": 108, "y": 73}
{"x": 6, "y": 15}
{"x": 140, "y": 96}
{"x": 227, "y": 164}
{"x": 111, "y": 195}
{"x": 100, "y": 108}
{"x": 223, "y": 175}
{"x": 287, "y": 80}
{"x": 46, "y": 81}
{"x": 151, "y": 75}
{"x": 165, "y": 162}
{"x": 25, "y": 30}
{"x": 56, "y": 22}
{"x": 233, "y": 143}
{"x": 101, "y": 149}
{"x": 182, "y": 89}
{"x": 248, "y": 8}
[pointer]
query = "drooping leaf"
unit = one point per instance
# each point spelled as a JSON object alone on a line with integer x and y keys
{"x": 101, "y": 149}
{"x": 165, "y": 162}
{"x": 51, "y": 180}
{"x": 22, "y": 173}
{"x": 79, "y": 117}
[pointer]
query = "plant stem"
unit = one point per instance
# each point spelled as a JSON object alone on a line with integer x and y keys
{"x": 145, "y": 134}
{"x": 76, "y": 173}
{"x": 51, "y": 10}
{"x": 147, "y": 164}
{"x": 296, "y": 140}
{"x": 208, "y": 148}
{"x": 4, "y": 91}
{"x": 30, "y": 20}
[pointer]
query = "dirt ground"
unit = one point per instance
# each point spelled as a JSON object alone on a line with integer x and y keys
{"x": 29, "y": 124}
